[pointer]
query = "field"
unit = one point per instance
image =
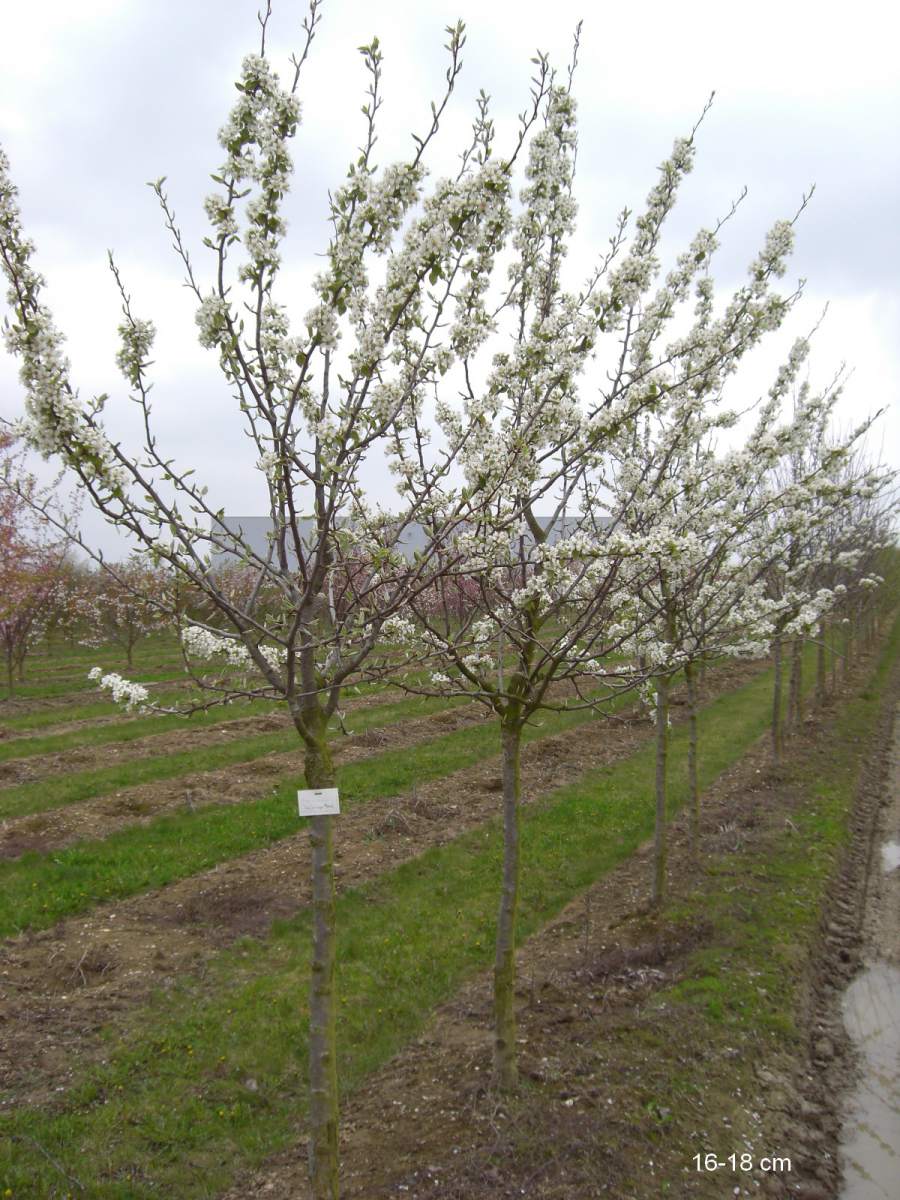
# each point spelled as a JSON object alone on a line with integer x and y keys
{"x": 155, "y": 911}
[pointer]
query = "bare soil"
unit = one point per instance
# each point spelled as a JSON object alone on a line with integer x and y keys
{"x": 593, "y": 1055}
{"x": 63, "y": 985}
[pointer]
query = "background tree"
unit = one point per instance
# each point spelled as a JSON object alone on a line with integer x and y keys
{"x": 32, "y": 560}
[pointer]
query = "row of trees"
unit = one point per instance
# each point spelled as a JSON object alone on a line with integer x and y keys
{"x": 32, "y": 561}
{"x": 578, "y": 534}
{"x": 46, "y": 595}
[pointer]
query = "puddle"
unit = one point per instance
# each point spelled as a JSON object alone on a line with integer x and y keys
{"x": 890, "y": 856}
{"x": 870, "y": 1139}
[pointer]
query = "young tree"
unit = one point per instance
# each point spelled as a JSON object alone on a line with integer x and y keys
{"x": 319, "y": 400}
{"x": 31, "y": 560}
{"x": 559, "y": 588}
{"x": 123, "y": 603}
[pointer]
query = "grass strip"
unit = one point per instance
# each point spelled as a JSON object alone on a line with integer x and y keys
{"x": 739, "y": 1001}
{"x": 52, "y": 691}
{"x": 38, "y": 890}
{"x": 43, "y": 795}
{"x": 62, "y": 715}
{"x": 130, "y": 730}
{"x": 171, "y": 1112}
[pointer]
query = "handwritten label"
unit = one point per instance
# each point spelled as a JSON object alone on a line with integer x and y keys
{"x": 318, "y": 802}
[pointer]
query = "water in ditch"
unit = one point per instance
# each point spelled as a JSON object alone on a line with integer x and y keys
{"x": 871, "y": 1134}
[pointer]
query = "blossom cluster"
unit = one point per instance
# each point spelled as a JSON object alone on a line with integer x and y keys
{"x": 123, "y": 691}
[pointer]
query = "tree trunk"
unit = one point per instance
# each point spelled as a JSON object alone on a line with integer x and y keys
{"x": 662, "y": 753}
{"x": 796, "y": 685}
{"x": 832, "y": 639}
{"x": 323, "y": 1091}
{"x": 693, "y": 785}
{"x": 821, "y": 689}
{"x": 10, "y": 681}
{"x": 848, "y": 649}
{"x": 776, "y": 704}
{"x": 505, "y": 1066}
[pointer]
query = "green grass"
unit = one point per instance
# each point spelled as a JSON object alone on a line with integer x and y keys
{"x": 38, "y": 890}
{"x": 129, "y": 730}
{"x": 50, "y": 691}
{"x": 45, "y": 718}
{"x": 739, "y": 1002}
{"x": 43, "y": 795}
{"x": 169, "y": 1113}
{"x": 746, "y": 979}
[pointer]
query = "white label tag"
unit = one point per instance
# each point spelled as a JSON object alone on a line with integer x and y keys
{"x": 318, "y": 802}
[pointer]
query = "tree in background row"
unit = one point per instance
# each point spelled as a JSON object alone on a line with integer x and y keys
{"x": 32, "y": 560}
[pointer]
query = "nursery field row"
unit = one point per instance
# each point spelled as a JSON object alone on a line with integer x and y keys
{"x": 408, "y": 938}
{"x": 38, "y": 889}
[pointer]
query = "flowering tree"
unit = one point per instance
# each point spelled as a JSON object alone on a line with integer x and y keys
{"x": 709, "y": 589}
{"x": 822, "y": 480}
{"x": 31, "y": 561}
{"x": 561, "y": 594}
{"x": 123, "y": 603}
{"x": 319, "y": 399}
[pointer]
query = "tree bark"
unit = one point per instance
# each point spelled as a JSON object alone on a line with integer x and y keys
{"x": 323, "y": 1091}
{"x": 821, "y": 688}
{"x": 776, "y": 704}
{"x": 848, "y": 649}
{"x": 796, "y": 685}
{"x": 10, "y": 681}
{"x": 505, "y": 1065}
{"x": 662, "y": 754}
{"x": 832, "y": 639}
{"x": 693, "y": 785}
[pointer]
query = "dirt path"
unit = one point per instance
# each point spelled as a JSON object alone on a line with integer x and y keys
{"x": 427, "y": 1126}
{"x": 25, "y": 705}
{"x": 56, "y": 828}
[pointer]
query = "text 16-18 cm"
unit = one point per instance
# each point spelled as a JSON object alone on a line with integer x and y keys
{"x": 741, "y": 1162}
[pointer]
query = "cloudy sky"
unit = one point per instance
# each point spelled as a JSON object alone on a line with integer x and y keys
{"x": 98, "y": 98}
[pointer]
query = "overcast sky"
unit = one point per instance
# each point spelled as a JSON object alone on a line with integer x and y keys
{"x": 98, "y": 97}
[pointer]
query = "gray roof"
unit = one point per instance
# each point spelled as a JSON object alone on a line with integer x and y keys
{"x": 254, "y": 532}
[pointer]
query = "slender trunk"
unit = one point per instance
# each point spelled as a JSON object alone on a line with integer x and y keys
{"x": 848, "y": 648}
{"x": 796, "y": 684}
{"x": 323, "y": 1091}
{"x": 10, "y": 681}
{"x": 505, "y": 1066}
{"x": 702, "y": 660}
{"x": 693, "y": 785}
{"x": 821, "y": 690}
{"x": 832, "y": 638}
{"x": 776, "y": 704}
{"x": 662, "y": 752}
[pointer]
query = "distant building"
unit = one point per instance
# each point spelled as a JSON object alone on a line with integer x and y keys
{"x": 255, "y": 532}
